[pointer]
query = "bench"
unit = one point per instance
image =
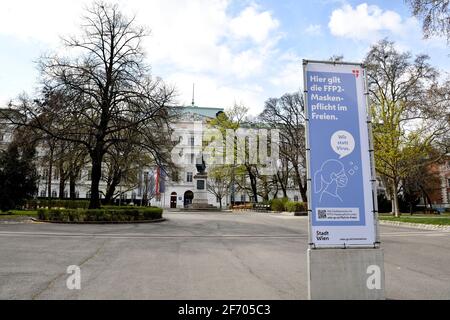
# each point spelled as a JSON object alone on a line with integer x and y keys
{"x": 440, "y": 210}
{"x": 261, "y": 207}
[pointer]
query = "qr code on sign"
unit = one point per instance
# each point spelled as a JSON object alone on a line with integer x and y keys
{"x": 322, "y": 214}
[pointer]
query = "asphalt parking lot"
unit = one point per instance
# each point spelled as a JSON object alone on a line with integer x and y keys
{"x": 200, "y": 256}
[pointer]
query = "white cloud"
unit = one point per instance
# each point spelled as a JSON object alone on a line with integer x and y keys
{"x": 368, "y": 22}
{"x": 41, "y": 20}
{"x": 210, "y": 90}
{"x": 289, "y": 77}
{"x": 191, "y": 41}
{"x": 253, "y": 24}
{"x": 314, "y": 30}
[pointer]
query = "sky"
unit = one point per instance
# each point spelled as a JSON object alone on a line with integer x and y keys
{"x": 234, "y": 51}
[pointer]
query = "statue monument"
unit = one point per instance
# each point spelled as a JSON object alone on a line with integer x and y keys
{"x": 200, "y": 200}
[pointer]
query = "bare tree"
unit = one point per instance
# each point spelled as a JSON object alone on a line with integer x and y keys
{"x": 123, "y": 162}
{"x": 219, "y": 182}
{"x": 286, "y": 113}
{"x": 421, "y": 181}
{"x": 336, "y": 58}
{"x": 106, "y": 89}
{"x": 435, "y": 15}
{"x": 406, "y": 122}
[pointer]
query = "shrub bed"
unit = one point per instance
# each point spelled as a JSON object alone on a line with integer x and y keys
{"x": 100, "y": 215}
{"x": 283, "y": 204}
{"x": 293, "y": 206}
{"x": 57, "y": 203}
{"x": 113, "y": 207}
{"x": 279, "y": 204}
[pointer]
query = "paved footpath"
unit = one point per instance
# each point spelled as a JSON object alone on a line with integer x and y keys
{"x": 200, "y": 256}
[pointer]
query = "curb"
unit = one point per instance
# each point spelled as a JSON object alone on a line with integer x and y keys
{"x": 99, "y": 222}
{"x": 421, "y": 226}
{"x": 287, "y": 213}
{"x": 280, "y": 213}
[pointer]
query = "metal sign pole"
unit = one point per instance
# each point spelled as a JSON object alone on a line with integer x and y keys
{"x": 308, "y": 166}
{"x": 372, "y": 161}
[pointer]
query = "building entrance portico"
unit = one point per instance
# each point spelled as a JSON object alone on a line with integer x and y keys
{"x": 173, "y": 200}
{"x": 188, "y": 197}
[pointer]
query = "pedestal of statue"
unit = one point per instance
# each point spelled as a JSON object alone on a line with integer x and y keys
{"x": 200, "y": 200}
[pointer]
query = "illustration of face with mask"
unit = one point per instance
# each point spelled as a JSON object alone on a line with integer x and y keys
{"x": 330, "y": 178}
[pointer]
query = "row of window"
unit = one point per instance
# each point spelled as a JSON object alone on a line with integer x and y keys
{"x": 4, "y": 136}
{"x": 55, "y": 174}
{"x": 124, "y": 196}
{"x": 191, "y": 140}
{"x": 176, "y": 176}
{"x": 244, "y": 198}
{"x": 43, "y": 194}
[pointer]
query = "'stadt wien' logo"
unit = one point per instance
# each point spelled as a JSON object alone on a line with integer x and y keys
{"x": 355, "y": 73}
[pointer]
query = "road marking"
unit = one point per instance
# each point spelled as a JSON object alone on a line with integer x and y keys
{"x": 428, "y": 233}
{"x": 435, "y": 235}
{"x": 411, "y": 234}
{"x": 145, "y": 236}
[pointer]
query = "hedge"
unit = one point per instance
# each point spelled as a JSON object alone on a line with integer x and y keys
{"x": 278, "y": 204}
{"x": 58, "y": 203}
{"x": 113, "y": 207}
{"x": 100, "y": 215}
{"x": 294, "y": 206}
{"x": 283, "y": 204}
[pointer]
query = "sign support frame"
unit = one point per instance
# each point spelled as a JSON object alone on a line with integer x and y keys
{"x": 324, "y": 262}
{"x": 374, "y": 209}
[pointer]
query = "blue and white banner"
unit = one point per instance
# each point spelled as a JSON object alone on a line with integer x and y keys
{"x": 340, "y": 189}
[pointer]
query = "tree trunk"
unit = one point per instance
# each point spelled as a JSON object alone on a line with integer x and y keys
{"x": 50, "y": 172}
{"x": 96, "y": 175}
{"x": 62, "y": 179}
{"x": 72, "y": 185}
{"x": 302, "y": 188}
{"x": 110, "y": 194}
{"x": 275, "y": 194}
{"x": 282, "y": 185}
{"x": 395, "y": 208}
{"x": 253, "y": 185}
{"x": 62, "y": 187}
{"x": 429, "y": 201}
{"x": 304, "y": 191}
{"x": 112, "y": 188}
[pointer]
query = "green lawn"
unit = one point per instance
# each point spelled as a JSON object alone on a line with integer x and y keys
{"x": 422, "y": 219}
{"x": 18, "y": 213}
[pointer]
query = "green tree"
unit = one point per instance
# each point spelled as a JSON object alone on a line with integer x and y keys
{"x": 18, "y": 176}
{"x": 405, "y": 123}
{"x": 219, "y": 181}
{"x": 421, "y": 181}
{"x": 232, "y": 119}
